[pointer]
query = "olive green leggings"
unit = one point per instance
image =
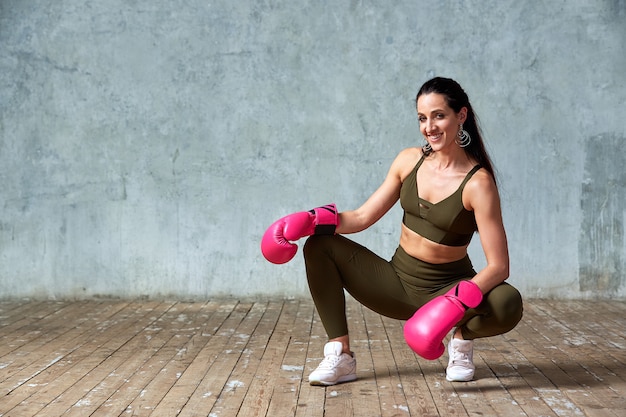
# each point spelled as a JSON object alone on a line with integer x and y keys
{"x": 396, "y": 288}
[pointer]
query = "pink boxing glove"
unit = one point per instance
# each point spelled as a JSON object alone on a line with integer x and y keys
{"x": 276, "y": 245}
{"x": 424, "y": 332}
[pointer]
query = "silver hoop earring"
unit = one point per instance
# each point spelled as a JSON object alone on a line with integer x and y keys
{"x": 464, "y": 138}
{"x": 427, "y": 148}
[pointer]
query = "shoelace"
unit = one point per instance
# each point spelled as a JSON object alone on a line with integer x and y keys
{"x": 329, "y": 362}
{"x": 459, "y": 357}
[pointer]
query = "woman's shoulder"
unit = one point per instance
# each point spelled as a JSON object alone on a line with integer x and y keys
{"x": 481, "y": 185}
{"x": 483, "y": 178}
{"x": 405, "y": 161}
{"x": 410, "y": 155}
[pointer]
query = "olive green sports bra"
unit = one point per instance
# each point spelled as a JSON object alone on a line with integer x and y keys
{"x": 446, "y": 222}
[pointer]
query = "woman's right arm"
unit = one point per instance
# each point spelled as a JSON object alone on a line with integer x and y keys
{"x": 383, "y": 199}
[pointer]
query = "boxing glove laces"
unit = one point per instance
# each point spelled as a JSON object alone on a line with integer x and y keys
{"x": 424, "y": 332}
{"x": 276, "y": 243}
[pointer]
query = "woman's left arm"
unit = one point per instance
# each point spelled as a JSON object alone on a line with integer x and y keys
{"x": 483, "y": 197}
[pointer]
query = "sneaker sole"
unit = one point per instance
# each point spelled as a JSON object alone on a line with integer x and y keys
{"x": 345, "y": 378}
{"x": 459, "y": 379}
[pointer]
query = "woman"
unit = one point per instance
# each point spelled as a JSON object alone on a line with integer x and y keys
{"x": 448, "y": 191}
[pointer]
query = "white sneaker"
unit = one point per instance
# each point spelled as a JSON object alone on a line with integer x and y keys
{"x": 336, "y": 366}
{"x": 460, "y": 365}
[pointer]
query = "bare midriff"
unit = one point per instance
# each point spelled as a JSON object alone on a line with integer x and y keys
{"x": 428, "y": 251}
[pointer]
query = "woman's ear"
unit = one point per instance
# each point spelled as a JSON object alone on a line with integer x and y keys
{"x": 462, "y": 115}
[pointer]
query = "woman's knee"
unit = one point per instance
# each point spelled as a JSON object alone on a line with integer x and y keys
{"x": 315, "y": 245}
{"x": 506, "y": 305}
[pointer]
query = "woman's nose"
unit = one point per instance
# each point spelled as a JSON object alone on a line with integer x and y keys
{"x": 429, "y": 126}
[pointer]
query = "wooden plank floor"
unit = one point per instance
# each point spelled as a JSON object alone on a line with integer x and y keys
{"x": 244, "y": 358}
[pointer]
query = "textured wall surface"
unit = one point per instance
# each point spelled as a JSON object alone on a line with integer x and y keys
{"x": 146, "y": 145}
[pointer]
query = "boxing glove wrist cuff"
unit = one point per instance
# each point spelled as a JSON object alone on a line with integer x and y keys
{"x": 468, "y": 293}
{"x": 326, "y": 219}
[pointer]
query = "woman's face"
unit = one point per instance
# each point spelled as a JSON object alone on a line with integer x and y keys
{"x": 438, "y": 122}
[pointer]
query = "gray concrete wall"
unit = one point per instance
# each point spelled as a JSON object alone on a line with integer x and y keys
{"x": 146, "y": 145}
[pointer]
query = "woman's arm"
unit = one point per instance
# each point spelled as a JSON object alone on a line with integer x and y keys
{"x": 383, "y": 199}
{"x": 483, "y": 198}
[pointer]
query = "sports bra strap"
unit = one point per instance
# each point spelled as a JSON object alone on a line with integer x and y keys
{"x": 469, "y": 175}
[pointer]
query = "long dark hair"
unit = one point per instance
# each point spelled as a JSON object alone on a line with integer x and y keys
{"x": 456, "y": 98}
